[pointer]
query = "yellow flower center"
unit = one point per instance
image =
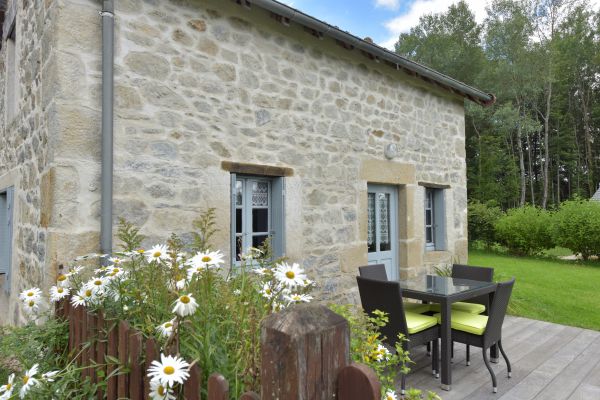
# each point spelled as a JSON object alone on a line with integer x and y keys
{"x": 268, "y": 291}
{"x": 168, "y": 325}
{"x": 8, "y": 386}
{"x": 290, "y": 274}
{"x": 97, "y": 282}
{"x": 115, "y": 271}
{"x": 30, "y": 294}
{"x": 88, "y": 293}
{"x": 31, "y": 303}
{"x": 62, "y": 278}
{"x": 25, "y": 380}
{"x": 157, "y": 254}
{"x": 60, "y": 290}
{"x": 169, "y": 370}
{"x": 161, "y": 389}
{"x": 206, "y": 259}
{"x": 141, "y": 251}
{"x": 184, "y": 299}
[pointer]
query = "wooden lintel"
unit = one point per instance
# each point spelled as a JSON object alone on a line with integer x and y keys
{"x": 256, "y": 169}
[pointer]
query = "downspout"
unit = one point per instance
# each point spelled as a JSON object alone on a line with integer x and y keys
{"x": 107, "y": 127}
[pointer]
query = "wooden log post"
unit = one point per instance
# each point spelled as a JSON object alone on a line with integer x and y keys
{"x": 303, "y": 350}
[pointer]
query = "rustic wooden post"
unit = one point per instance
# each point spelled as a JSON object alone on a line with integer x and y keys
{"x": 358, "y": 382}
{"x": 303, "y": 350}
{"x": 218, "y": 387}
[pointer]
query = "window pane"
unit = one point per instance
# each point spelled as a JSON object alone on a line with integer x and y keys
{"x": 257, "y": 241}
{"x": 384, "y": 222}
{"x": 428, "y": 217}
{"x": 239, "y": 193}
{"x": 260, "y": 194}
{"x": 371, "y": 223}
{"x": 238, "y": 220}
{"x": 429, "y": 234}
{"x": 260, "y": 220}
{"x": 238, "y": 247}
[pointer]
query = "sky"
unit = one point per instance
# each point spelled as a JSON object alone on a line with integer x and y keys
{"x": 381, "y": 20}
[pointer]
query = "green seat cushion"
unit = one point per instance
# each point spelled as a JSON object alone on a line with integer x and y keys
{"x": 419, "y": 322}
{"x": 417, "y": 308}
{"x": 470, "y": 308}
{"x": 466, "y": 322}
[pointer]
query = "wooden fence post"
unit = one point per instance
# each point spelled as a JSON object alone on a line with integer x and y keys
{"x": 303, "y": 350}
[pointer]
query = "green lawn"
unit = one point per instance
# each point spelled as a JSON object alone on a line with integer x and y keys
{"x": 564, "y": 292}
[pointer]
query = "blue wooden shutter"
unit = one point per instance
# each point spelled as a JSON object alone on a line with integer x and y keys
{"x": 439, "y": 212}
{"x": 232, "y": 220}
{"x": 6, "y": 225}
{"x": 278, "y": 216}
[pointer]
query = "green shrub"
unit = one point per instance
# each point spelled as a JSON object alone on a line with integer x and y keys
{"x": 482, "y": 219}
{"x": 525, "y": 231}
{"x": 576, "y": 226}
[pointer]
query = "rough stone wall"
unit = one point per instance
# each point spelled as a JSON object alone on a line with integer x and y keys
{"x": 25, "y": 144}
{"x": 201, "y": 82}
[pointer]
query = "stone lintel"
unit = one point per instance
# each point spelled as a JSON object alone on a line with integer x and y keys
{"x": 434, "y": 185}
{"x": 353, "y": 257}
{"x": 256, "y": 169}
{"x": 387, "y": 172}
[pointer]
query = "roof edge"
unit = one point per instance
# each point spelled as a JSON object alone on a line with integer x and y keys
{"x": 320, "y": 28}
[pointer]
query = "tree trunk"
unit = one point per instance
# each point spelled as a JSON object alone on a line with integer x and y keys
{"x": 521, "y": 165}
{"x": 530, "y": 168}
{"x": 547, "y": 144}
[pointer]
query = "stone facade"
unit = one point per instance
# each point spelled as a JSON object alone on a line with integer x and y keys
{"x": 199, "y": 83}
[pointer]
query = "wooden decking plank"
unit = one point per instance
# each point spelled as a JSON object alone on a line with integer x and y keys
{"x": 565, "y": 384}
{"x": 541, "y": 377}
{"x": 589, "y": 387}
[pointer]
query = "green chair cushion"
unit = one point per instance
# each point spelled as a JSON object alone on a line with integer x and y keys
{"x": 471, "y": 308}
{"x": 417, "y": 308}
{"x": 419, "y": 322}
{"x": 466, "y": 322}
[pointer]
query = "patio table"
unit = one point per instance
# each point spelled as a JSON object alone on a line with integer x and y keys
{"x": 445, "y": 291}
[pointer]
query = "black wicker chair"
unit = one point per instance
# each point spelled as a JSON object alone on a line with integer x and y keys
{"x": 375, "y": 271}
{"x": 484, "y": 274}
{"x": 485, "y": 331}
{"x": 386, "y": 296}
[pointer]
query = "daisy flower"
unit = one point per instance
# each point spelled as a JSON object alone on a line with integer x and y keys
{"x": 8, "y": 388}
{"x": 206, "y": 259}
{"x": 115, "y": 272}
{"x": 259, "y": 271}
{"x": 75, "y": 270}
{"x": 185, "y": 305}
{"x": 63, "y": 280}
{"x": 116, "y": 260}
{"x": 29, "y": 381}
{"x": 298, "y": 298}
{"x": 390, "y": 395}
{"x": 267, "y": 291}
{"x": 382, "y": 353}
{"x": 180, "y": 284}
{"x": 57, "y": 293}
{"x": 157, "y": 253}
{"x": 169, "y": 370}
{"x": 31, "y": 294}
{"x": 166, "y": 329}
{"x": 49, "y": 376}
{"x": 32, "y": 306}
{"x": 290, "y": 275}
{"x": 83, "y": 297}
{"x": 158, "y": 391}
{"x": 97, "y": 284}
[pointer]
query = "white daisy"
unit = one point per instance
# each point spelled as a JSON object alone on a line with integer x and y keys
{"x": 185, "y": 305}
{"x": 166, "y": 329}
{"x": 290, "y": 275}
{"x": 75, "y": 270}
{"x": 180, "y": 284}
{"x": 57, "y": 293}
{"x": 29, "y": 381}
{"x": 83, "y": 297}
{"x": 267, "y": 291}
{"x": 115, "y": 272}
{"x": 157, "y": 253}
{"x": 63, "y": 280}
{"x": 32, "y": 306}
{"x": 169, "y": 370}
{"x": 97, "y": 284}
{"x": 31, "y": 294}
{"x": 192, "y": 271}
{"x": 159, "y": 391}
{"x": 208, "y": 259}
{"x": 49, "y": 376}
{"x": 116, "y": 260}
{"x": 382, "y": 353}
{"x": 8, "y": 388}
{"x": 390, "y": 395}
{"x": 259, "y": 271}
{"x": 298, "y": 298}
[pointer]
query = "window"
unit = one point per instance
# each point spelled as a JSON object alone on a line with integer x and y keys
{"x": 6, "y": 206}
{"x": 257, "y": 213}
{"x": 12, "y": 81}
{"x": 435, "y": 217}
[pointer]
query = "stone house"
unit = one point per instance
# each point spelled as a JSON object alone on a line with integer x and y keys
{"x": 342, "y": 152}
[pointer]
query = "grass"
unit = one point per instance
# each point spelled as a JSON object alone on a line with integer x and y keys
{"x": 564, "y": 292}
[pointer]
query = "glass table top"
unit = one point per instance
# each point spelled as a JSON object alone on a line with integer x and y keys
{"x": 442, "y": 285}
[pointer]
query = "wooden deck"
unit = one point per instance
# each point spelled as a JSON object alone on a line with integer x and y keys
{"x": 549, "y": 362}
